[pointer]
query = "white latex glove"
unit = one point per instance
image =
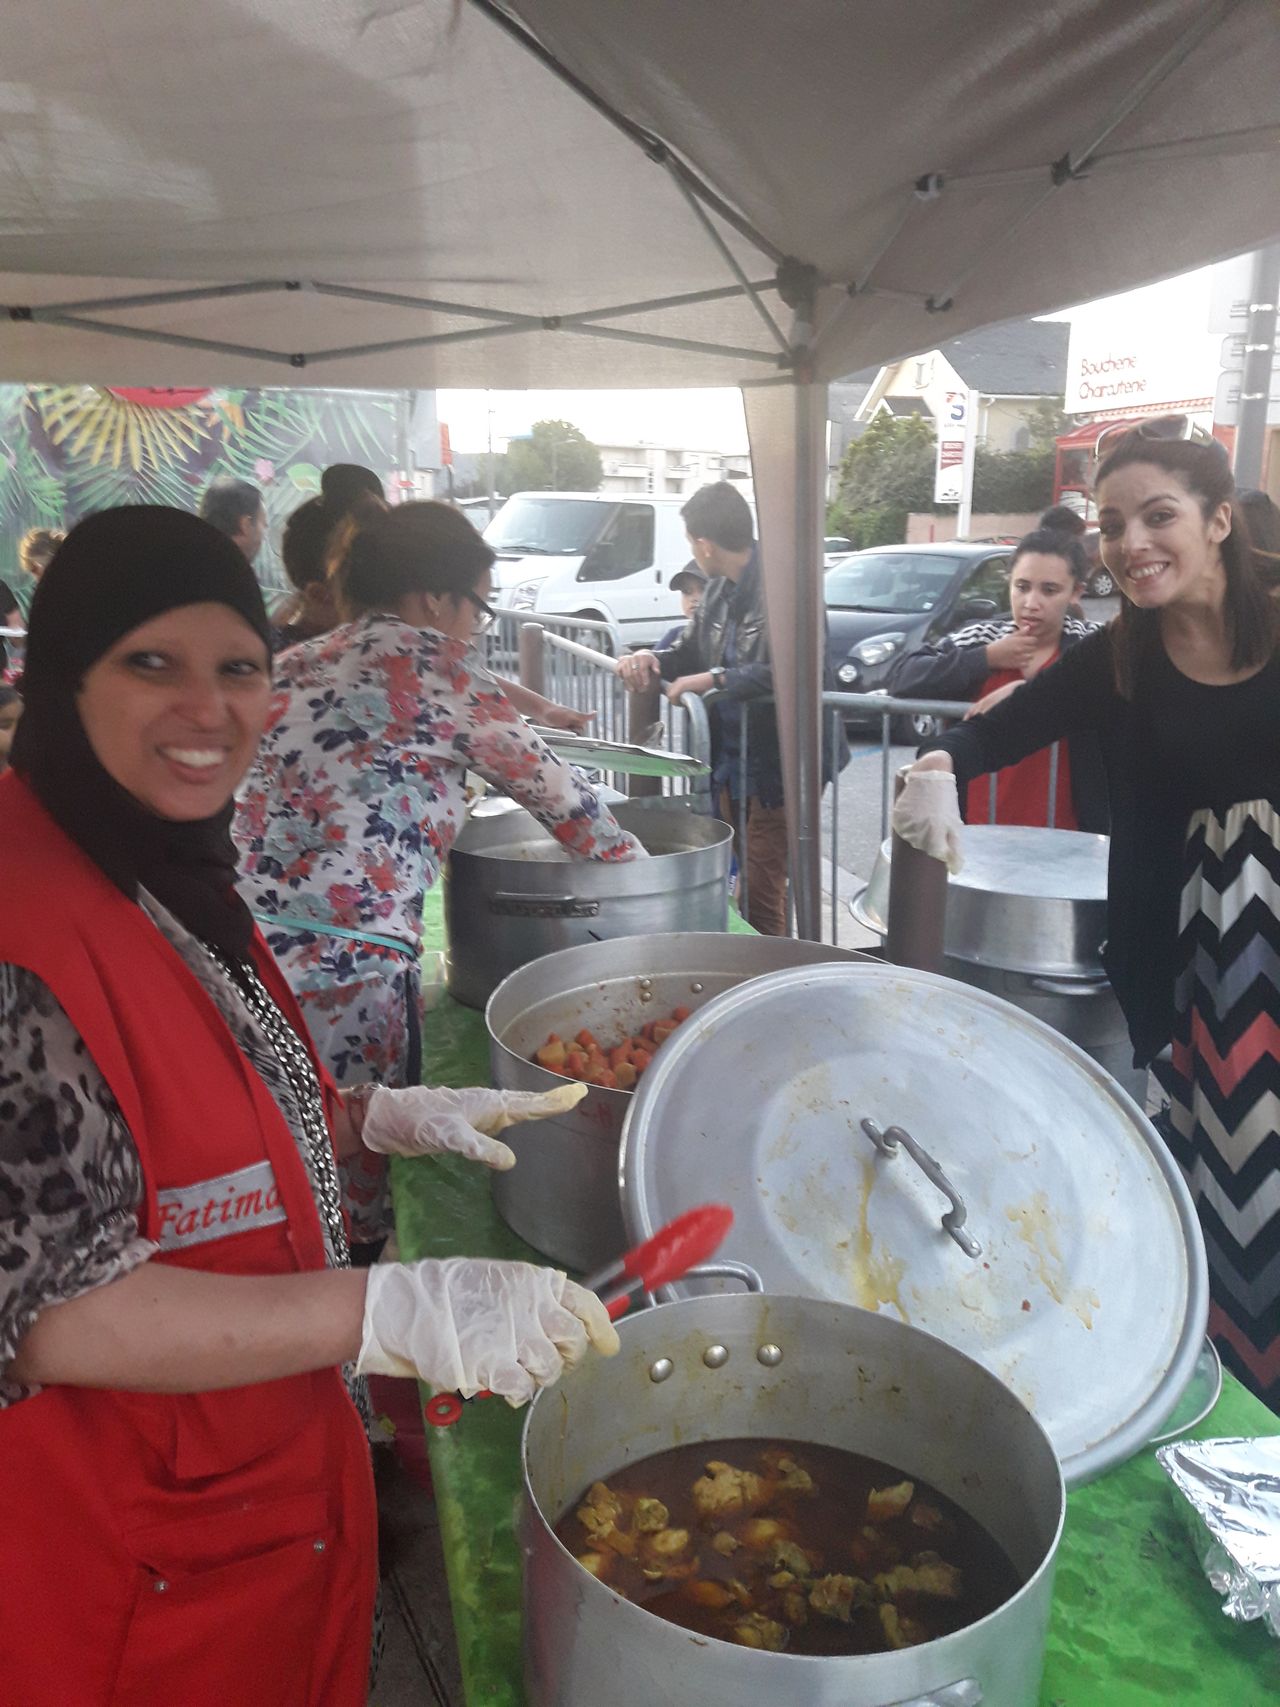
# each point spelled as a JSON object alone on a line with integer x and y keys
{"x": 467, "y": 1323}
{"x": 429, "y": 1120}
{"x": 927, "y": 814}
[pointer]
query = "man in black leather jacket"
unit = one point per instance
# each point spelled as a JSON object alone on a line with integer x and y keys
{"x": 724, "y": 650}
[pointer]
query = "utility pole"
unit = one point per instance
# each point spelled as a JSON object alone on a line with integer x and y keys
{"x": 965, "y": 517}
{"x": 1259, "y": 358}
{"x": 488, "y": 403}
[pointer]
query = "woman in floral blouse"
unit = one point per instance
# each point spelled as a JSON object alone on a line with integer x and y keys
{"x": 358, "y": 794}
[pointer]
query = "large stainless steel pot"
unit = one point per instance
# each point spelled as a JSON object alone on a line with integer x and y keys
{"x": 1026, "y": 919}
{"x": 562, "y": 1196}
{"x": 512, "y": 894}
{"x": 802, "y": 1370}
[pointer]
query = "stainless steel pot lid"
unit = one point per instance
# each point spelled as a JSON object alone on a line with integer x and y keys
{"x": 1089, "y": 1295}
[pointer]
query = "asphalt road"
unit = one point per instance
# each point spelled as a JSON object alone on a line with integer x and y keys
{"x": 857, "y": 810}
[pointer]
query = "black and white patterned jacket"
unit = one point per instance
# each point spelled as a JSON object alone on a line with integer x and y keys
{"x": 957, "y": 667}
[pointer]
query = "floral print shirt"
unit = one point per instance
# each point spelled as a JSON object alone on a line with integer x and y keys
{"x": 358, "y": 790}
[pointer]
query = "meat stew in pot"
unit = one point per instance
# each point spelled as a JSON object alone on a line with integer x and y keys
{"x": 789, "y": 1547}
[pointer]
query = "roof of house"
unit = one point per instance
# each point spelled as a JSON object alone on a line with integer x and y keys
{"x": 1020, "y": 358}
{"x": 845, "y": 395}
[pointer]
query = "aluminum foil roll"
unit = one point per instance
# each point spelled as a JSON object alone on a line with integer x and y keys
{"x": 1231, "y": 1499}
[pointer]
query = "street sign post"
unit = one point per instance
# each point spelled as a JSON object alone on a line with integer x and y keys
{"x": 957, "y": 441}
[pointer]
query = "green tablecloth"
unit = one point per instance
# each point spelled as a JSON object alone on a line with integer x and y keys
{"x": 1135, "y": 1622}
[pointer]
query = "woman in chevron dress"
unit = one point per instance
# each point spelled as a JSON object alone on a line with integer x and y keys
{"x": 1183, "y": 694}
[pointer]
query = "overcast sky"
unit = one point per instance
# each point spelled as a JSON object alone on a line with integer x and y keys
{"x": 713, "y": 420}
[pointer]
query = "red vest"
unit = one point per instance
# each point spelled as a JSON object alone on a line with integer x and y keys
{"x": 199, "y": 1550}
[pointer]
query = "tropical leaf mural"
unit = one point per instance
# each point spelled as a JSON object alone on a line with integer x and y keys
{"x": 66, "y": 451}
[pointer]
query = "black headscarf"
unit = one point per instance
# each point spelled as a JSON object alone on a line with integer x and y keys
{"x": 114, "y": 571}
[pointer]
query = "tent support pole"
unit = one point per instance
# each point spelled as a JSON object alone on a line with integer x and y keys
{"x": 805, "y": 822}
{"x": 787, "y": 427}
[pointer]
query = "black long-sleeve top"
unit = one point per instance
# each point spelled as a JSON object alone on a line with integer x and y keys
{"x": 1176, "y": 747}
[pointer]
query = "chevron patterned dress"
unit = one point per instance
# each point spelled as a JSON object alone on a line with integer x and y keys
{"x": 1223, "y": 1120}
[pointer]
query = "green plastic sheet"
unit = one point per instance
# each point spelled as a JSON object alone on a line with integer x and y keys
{"x": 1135, "y": 1624}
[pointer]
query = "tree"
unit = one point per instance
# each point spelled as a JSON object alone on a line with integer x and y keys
{"x": 1012, "y": 482}
{"x": 556, "y": 457}
{"x": 885, "y": 475}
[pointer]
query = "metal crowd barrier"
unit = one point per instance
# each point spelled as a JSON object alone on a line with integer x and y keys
{"x": 572, "y": 662}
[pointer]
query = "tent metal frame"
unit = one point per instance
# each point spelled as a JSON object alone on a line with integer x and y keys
{"x": 703, "y": 201}
{"x": 795, "y": 359}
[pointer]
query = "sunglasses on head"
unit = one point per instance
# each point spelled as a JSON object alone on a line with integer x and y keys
{"x": 1159, "y": 427}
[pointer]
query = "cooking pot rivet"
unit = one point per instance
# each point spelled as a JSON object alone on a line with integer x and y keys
{"x": 770, "y": 1356}
{"x": 716, "y": 1356}
{"x": 697, "y": 988}
{"x": 646, "y": 995}
{"x": 659, "y": 1370}
{"x": 646, "y": 983}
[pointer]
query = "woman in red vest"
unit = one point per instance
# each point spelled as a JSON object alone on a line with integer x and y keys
{"x": 188, "y": 1502}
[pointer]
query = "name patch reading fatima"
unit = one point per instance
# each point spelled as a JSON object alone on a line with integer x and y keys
{"x": 217, "y": 1208}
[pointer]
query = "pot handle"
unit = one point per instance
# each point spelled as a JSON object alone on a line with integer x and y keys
{"x": 722, "y": 1268}
{"x": 1071, "y": 986}
{"x": 888, "y": 1144}
{"x": 514, "y": 905}
{"x": 965, "y": 1692}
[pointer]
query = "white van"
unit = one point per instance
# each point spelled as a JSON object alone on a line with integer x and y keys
{"x": 605, "y": 556}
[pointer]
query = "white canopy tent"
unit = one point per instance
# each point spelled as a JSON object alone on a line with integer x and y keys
{"x": 561, "y": 193}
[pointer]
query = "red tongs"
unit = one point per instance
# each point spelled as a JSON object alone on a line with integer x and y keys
{"x": 669, "y": 1253}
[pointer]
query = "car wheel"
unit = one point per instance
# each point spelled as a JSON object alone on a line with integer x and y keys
{"x": 916, "y": 726}
{"x": 1101, "y": 584}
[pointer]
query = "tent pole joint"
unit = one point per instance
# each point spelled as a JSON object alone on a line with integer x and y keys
{"x": 1066, "y": 171}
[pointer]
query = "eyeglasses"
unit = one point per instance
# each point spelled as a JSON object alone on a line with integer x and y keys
{"x": 486, "y": 616}
{"x": 1159, "y": 427}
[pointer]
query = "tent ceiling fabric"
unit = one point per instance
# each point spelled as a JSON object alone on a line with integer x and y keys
{"x": 418, "y": 151}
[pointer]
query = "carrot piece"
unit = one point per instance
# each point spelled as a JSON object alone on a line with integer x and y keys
{"x": 575, "y": 1063}
{"x": 586, "y": 1039}
{"x": 606, "y": 1080}
{"x": 712, "y": 1595}
{"x": 662, "y": 1031}
{"x": 680, "y": 1015}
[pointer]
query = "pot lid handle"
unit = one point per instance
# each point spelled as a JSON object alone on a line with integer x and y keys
{"x": 888, "y": 1144}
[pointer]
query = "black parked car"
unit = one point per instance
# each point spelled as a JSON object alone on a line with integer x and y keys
{"x": 894, "y": 599}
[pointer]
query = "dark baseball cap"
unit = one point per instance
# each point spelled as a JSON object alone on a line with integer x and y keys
{"x": 689, "y": 579}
